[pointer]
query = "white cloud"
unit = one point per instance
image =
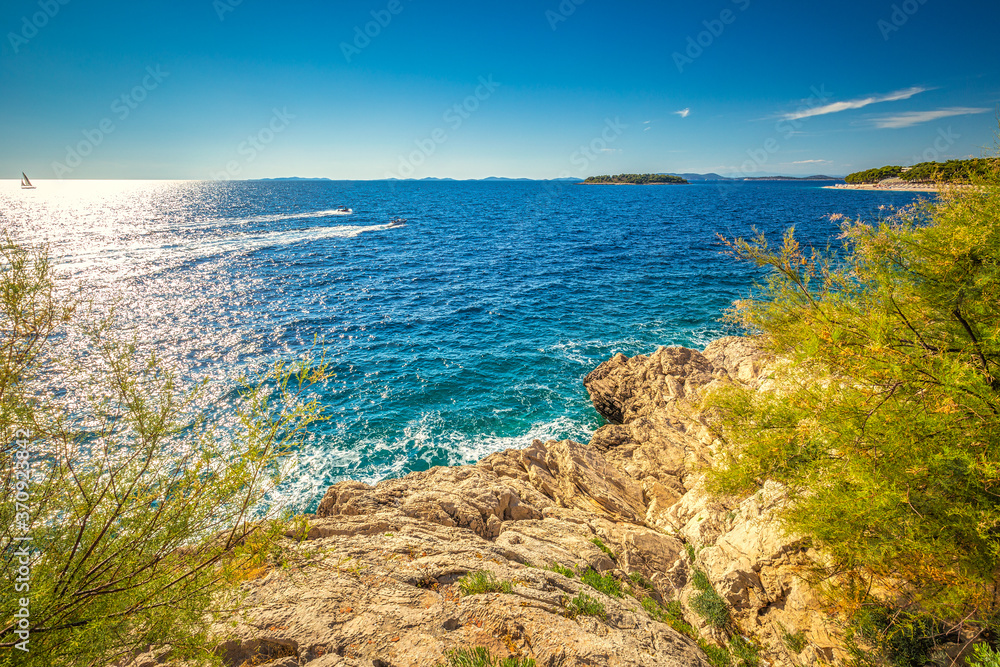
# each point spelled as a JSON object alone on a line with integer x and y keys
{"x": 911, "y": 118}
{"x": 811, "y": 162}
{"x": 683, "y": 113}
{"x": 859, "y": 103}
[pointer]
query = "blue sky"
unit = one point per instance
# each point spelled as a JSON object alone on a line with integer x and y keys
{"x": 414, "y": 88}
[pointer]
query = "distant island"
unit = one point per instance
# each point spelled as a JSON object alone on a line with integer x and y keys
{"x": 636, "y": 179}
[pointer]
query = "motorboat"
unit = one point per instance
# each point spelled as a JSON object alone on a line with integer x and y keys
{"x": 343, "y": 210}
{"x": 397, "y": 222}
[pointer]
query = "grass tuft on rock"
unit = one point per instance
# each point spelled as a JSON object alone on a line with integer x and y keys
{"x": 480, "y": 656}
{"x": 605, "y": 548}
{"x": 670, "y": 614}
{"x": 563, "y": 570}
{"x": 584, "y": 605}
{"x": 708, "y": 603}
{"x": 475, "y": 583}
{"x": 605, "y": 583}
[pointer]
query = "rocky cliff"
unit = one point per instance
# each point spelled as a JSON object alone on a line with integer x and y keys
{"x": 376, "y": 579}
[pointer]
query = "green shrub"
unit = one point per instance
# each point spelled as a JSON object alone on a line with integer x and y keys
{"x": 707, "y": 603}
{"x": 603, "y": 547}
{"x": 886, "y": 403}
{"x": 692, "y": 554}
{"x": 882, "y": 636}
{"x": 475, "y": 583}
{"x": 984, "y": 656}
{"x": 584, "y": 605}
{"x": 605, "y": 583}
{"x": 145, "y": 513}
{"x": 480, "y": 656}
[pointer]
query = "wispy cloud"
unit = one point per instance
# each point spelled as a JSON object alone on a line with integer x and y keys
{"x": 811, "y": 162}
{"x": 683, "y": 113}
{"x": 911, "y": 118}
{"x": 859, "y": 103}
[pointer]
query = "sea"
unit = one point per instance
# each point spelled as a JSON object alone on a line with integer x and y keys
{"x": 465, "y": 331}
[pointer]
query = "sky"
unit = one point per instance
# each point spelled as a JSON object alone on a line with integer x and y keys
{"x": 372, "y": 89}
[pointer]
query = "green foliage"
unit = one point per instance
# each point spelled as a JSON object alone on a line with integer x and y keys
{"x": 952, "y": 171}
{"x": 605, "y": 548}
{"x": 717, "y": 655}
{"x": 639, "y": 580}
{"x": 564, "y": 571}
{"x": 692, "y": 554}
{"x": 478, "y": 582}
{"x": 877, "y": 635}
{"x": 584, "y": 605}
{"x": 874, "y": 175}
{"x": 637, "y": 179}
{"x": 794, "y": 642}
{"x": 745, "y": 653}
{"x": 480, "y": 657}
{"x": 885, "y": 407}
{"x": 605, "y": 583}
{"x": 143, "y": 519}
{"x": 984, "y": 655}
{"x": 670, "y": 614}
{"x": 708, "y": 603}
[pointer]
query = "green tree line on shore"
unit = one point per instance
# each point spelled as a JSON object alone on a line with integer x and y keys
{"x": 882, "y": 419}
{"x": 952, "y": 171}
{"x": 127, "y": 518}
{"x": 636, "y": 179}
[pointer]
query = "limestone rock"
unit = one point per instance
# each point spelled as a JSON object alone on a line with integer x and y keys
{"x": 376, "y": 580}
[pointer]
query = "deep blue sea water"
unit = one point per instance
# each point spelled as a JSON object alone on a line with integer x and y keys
{"x": 466, "y": 331}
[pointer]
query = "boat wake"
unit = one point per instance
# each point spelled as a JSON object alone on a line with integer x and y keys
{"x": 203, "y": 247}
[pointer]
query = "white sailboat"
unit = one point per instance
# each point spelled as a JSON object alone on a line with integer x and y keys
{"x": 25, "y": 183}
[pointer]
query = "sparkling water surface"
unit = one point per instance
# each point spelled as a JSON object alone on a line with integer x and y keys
{"x": 464, "y": 332}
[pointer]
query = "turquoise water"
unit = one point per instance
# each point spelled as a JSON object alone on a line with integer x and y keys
{"x": 466, "y": 331}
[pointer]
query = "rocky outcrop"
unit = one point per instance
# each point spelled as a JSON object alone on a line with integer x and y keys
{"x": 374, "y": 578}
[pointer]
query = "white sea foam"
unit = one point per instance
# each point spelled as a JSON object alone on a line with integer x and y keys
{"x": 427, "y": 440}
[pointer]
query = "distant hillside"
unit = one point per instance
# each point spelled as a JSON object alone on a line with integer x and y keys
{"x": 636, "y": 179}
{"x": 700, "y": 177}
{"x": 952, "y": 171}
{"x": 793, "y": 178}
{"x": 717, "y": 177}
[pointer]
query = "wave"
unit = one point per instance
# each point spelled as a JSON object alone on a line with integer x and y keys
{"x": 424, "y": 442}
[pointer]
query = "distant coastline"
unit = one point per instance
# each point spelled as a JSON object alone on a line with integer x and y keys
{"x": 901, "y": 186}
